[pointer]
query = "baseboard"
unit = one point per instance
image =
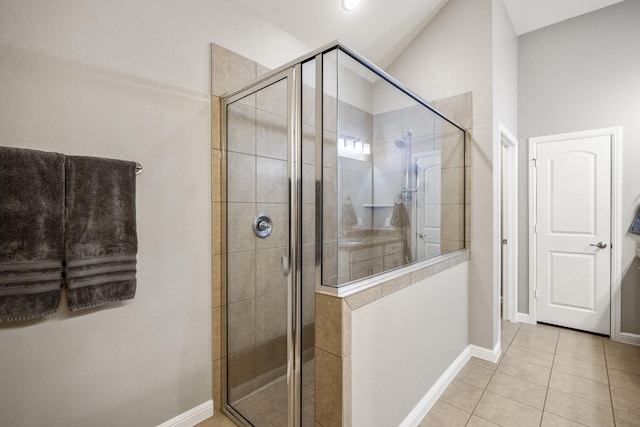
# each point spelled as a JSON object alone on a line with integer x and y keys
{"x": 523, "y": 318}
{"x": 486, "y": 354}
{"x": 191, "y": 417}
{"x": 628, "y": 338}
{"x": 429, "y": 399}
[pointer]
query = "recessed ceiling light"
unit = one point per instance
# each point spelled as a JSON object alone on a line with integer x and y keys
{"x": 350, "y": 5}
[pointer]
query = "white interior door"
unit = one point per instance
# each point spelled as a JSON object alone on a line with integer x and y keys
{"x": 429, "y": 204}
{"x": 573, "y": 232}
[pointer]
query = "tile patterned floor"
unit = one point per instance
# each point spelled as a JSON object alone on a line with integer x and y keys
{"x": 547, "y": 377}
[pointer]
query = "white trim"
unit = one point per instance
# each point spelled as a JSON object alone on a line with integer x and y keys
{"x": 523, "y": 318}
{"x": 532, "y": 223}
{"x": 629, "y": 338}
{"x": 434, "y": 393}
{"x": 191, "y": 417}
{"x": 615, "y": 133}
{"x": 616, "y": 232}
{"x": 485, "y": 353}
{"x": 510, "y": 178}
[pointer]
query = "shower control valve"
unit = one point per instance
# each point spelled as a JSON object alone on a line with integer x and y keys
{"x": 262, "y": 225}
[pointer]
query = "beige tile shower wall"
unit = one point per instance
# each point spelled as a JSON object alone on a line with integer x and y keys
{"x": 456, "y": 207}
{"x": 257, "y": 182}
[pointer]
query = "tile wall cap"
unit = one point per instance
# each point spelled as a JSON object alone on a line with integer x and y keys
{"x": 445, "y": 262}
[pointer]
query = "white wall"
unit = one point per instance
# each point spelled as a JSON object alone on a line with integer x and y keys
{"x": 453, "y": 55}
{"x": 577, "y": 75}
{"x": 404, "y": 342}
{"x": 505, "y": 69}
{"x": 505, "y": 111}
{"x": 130, "y": 80}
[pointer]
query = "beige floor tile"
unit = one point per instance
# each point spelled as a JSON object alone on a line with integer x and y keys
{"x": 507, "y": 412}
{"x": 509, "y": 327}
{"x": 505, "y": 342}
{"x": 593, "y": 391}
{"x": 476, "y": 421}
{"x": 589, "y": 347}
{"x": 218, "y": 420}
{"x": 462, "y": 395}
{"x": 552, "y": 420}
{"x": 581, "y": 336}
{"x": 444, "y": 415}
{"x": 579, "y": 410}
{"x": 584, "y": 353}
{"x": 575, "y": 366}
{"x": 625, "y": 419}
{"x": 530, "y": 340}
{"x": 623, "y": 363}
{"x": 625, "y": 400}
{"x": 484, "y": 363}
{"x": 530, "y": 355}
{"x": 541, "y": 331}
{"x": 524, "y": 370}
{"x": 519, "y": 390}
{"x": 475, "y": 375}
{"x": 621, "y": 349}
{"x": 624, "y": 380}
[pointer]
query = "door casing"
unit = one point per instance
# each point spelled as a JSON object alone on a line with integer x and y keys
{"x": 615, "y": 135}
{"x": 508, "y": 213}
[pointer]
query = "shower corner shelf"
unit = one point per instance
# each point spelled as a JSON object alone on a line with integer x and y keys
{"x": 377, "y": 205}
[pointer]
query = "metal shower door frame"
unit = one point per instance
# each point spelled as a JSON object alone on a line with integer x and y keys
{"x": 291, "y": 264}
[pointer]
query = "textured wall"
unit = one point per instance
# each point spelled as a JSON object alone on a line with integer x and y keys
{"x": 127, "y": 80}
{"x": 577, "y": 75}
{"x": 454, "y": 55}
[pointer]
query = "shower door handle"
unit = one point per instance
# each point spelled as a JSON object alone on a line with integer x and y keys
{"x": 284, "y": 262}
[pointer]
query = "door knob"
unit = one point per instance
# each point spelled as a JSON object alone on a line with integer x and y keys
{"x": 601, "y": 245}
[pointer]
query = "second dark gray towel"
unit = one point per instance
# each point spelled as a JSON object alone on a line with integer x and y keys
{"x": 100, "y": 236}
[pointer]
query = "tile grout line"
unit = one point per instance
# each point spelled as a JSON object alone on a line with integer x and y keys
{"x": 546, "y": 395}
{"x": 492, "y": 375}
{"x": 606, "y": 368}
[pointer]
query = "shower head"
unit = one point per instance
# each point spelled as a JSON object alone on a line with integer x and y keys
{"x": 402, "y": 142}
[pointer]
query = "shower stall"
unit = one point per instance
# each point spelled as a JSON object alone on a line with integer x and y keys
{"x": 334, "y": 173}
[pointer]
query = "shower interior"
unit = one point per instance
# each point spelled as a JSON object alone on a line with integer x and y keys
{"x": 314, "y": 168}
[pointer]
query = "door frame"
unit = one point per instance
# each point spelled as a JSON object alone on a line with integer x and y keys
{"x": 509, "y": 178}
{"x": 293, "y": 262}
{"x": 615, "y": 135}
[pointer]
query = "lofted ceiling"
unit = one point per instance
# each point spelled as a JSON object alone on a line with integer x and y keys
{"x": 530, "y": 15}
{"x": 381, "y": 29}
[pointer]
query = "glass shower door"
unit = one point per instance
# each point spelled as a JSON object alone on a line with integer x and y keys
{"x": 259, "y": 255}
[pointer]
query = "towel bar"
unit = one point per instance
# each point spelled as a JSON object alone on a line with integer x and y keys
{"x": 138, "y": 168}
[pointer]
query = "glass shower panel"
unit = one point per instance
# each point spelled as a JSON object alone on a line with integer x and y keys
{"x": 396, "y": 195}
{"x": 258, "y": 184}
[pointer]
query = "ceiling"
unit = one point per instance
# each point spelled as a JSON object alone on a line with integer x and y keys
{"x": 381, "y": 29}
{"x": 528, "y": 15}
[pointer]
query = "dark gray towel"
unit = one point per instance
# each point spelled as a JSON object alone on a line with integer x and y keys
{"x": 635, "y": 226}
{"x": 348, "y": 217}
{"x": 399, "y": 216}
{"x": 31, "y": 233}
{"x": 101, "y": 241}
